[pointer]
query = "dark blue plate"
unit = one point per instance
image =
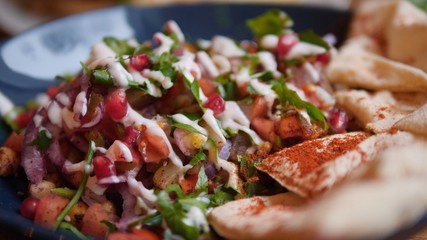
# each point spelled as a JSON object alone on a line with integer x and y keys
{"x": 29, "y": 62}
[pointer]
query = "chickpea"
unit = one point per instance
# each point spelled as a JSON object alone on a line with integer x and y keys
{"x": 41, "y": 189}
{"x": 166, "y": 175}
{"x": 9, "y": 162}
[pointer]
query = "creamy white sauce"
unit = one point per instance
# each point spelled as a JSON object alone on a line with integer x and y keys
{"x": 222, "y": 63}
{"x": 269, "y": 41}
{"x": 242, "y": 77}
{"x": 152, "y": 89}
{"x": 267, "y": 60}
{"x": 265, "y": 90}
{"x": 37, "y": 119}
{"x": 190, "y": 78}
{"x": 211, "y": 121}
{"x": 165, "y": 42}
{"x": 235, "y": 119}
{"x": 302, "y": 49}
{"x": 313, "y": 74}
{"x": 54, "y": 113}
{"x": 134, "y": 118}
{"x": 207, "y": 64}
{"x": 118, "y": 151}
{"x": 195, "y": 217}
{"x": 42, "y": 99}
{"x": 174, "y": 28}
{"x": 74, "y": 167}
{"x": 101, "y": 51}
{"x": 183, "y": 119}
{"x": 119, "y": 74}
{"x": 158, "y": 76}
{"x": 138, "y": 189}
{"x": 226, "y": 46}
{"x": 186, "y": 62}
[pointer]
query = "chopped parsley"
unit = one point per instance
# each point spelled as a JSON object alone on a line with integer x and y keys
{"x": 273, "y": 22}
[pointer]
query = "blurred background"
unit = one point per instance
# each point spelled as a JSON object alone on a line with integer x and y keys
{"x": 19, "y": 15}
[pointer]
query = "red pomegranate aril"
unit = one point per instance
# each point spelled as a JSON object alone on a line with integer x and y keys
{"x": 323, "y": 58}
{"x": 23, "y": 119}
{"x": 130, "y": 135}
{"x": 103, "y": 167}
{"x": 28, "y": 207}
{"x": 285, "y": 43}
{"x": 338, "y": 120}
{"x": 116, "y": 106}
{"x": 216, "y": 103}
{"x": 140, "y": 62}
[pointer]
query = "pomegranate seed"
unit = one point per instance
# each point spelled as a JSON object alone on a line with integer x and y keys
{"x": 116, "y": 105}
{"x": 338, "y": 120}
{"x": 23, "y": 119}
{"x": 130, "y": 135}
{"x": 140, "y": 61}
{"x": 216, "y": 103}
{"x": 103, "y": 167}
{"x": 323, "y": 58}
{"x": 285, "y": 43}
{"x": 28, "y": 207}
{"x": 52, "y": 91}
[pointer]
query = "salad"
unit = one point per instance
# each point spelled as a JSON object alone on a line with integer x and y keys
{"x": 150, "y": 136}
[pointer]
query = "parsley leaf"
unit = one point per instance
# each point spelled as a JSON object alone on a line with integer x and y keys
{"x": 163, "y": 63}
{"x": 309, "y": 36}
{"x": 102, "y": 76}
{"x": 227, "y": 87}
{"x": 271, "y": 22}
{"x": 287, "y": 96}
{"x": 119, "y": 46}
{"x": 200, "y": 156}
{"x": 202, "y": 180}
{"x": 42, "y": 140}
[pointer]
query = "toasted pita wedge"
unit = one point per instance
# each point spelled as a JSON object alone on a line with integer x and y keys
{"x": 415, "y": 122}
{"x": 388, "y": 195}
{"x": 406, "y": 36}
{"x": 313, "y": 167}
{"x": 379, "y": 111}
{"x": 372, "y": 18}
{"x": 354, "y": 66}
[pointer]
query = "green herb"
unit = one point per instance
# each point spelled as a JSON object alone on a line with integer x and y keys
{"x": 68, "y": 226}
{"x": 64, "y": 192}
{"x": 65, "y": 78}
{"x": 119, "y": 46}
{"x": 80, "y": 190}
{"x": 271, "y": 22}
{"x": 310, "y": 37}
{"x": 290, "y": 97}
{"x": 200, "y": 156}
{"x": 221, "y": 196}
{"x": 253, "y": 188}
{"x": 227, "y": 88}
{"x": 202, "y": 180}
{"x": 174, "y": 215}
{"x": 246, "y": 166}
{"x": 194, "y": 87}
{"x": 86, "y": 69}
{"x": 42, "y": 141}
{"x": 153, "y": 219}
{"x": 111, "y": 226}
{"x": 102, "y": 76}
{"x": 421, "y": 4}
{"x": 164, "y": 63}
{"x": 185, "y": 127}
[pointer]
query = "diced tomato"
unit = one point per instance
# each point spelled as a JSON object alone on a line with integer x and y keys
{"x": 216, "y": 103}
{"x": 103, "y": 167}
{"x": 14, "y": 142}
{"x": 154, "y": 147}
{"x": 285, "y": 43}
{"x": 48, "y": 209}
{"x": 323, "y": 58}
{"x": 188, "y": 183}
{"x": 28, "y": 207}
{"x": 92, "y": 221}
{"x": 137, "y": 234}
{"x": 265, "y": 128}
{"x": 116, "y": 105}
{"x": 259, "y": 107}
{"x": 23, "y": 119}
{"x": 207, "y": 86}
{"x": 140, "y": 61}
{"x": 52, "y": 91}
